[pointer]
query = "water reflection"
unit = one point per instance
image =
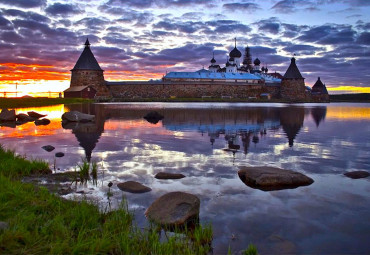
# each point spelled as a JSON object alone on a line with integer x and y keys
{"x": 208, "y": 143}
{"x": 238, "y": 127}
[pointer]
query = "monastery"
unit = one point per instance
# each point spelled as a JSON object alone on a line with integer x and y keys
{"x": 237, "y": 79}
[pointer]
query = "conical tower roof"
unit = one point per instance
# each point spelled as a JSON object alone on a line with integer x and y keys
{"x": 87, "y": 60}
{"x": 293, "y": 71}
{"x": 319, "y": 87}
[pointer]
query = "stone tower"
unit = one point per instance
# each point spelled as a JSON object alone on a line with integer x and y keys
{"x": 87, "y": 72}
{"x": 292, "y": 85}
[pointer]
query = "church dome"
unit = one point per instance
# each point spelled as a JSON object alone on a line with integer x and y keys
{"x": 213, "y": 60}
{"x": 235, "y": 53}
{"x": 257, "y": 62}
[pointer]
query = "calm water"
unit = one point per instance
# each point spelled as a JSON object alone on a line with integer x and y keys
{"x": 331, "y": 216}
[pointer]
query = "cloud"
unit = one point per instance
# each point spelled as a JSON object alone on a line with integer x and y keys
{"x": 302, "y": 49}
{"x": 25, "y": 15}
{"x": 364, "y": 38}
{"x": 271, "y": 25}
{"x": 62, "y": 9}
{"x": 329, "y": 34}
{"x": 144, "y": 4}
{"x": 288, "y": 6}
{"x": 244, "y": 7}
{"x": 93, "y": 23}
{"x": 5, "y": 24}
{"x": 24, "y": 3}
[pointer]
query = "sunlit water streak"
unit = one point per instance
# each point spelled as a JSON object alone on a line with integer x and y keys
{"x": 331, "y": 216}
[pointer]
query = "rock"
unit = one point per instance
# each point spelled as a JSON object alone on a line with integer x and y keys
{"x": 164, "y": 175}
{"x": 43, "y": 122}
{"x": 270, "y": 178}
{"x": 10, "y": 124}
{"x": 153, "y": 117}
{"x": 48, "y": 148}
{"x": 7, "y": 115}
{"x": 75, "y": 116}
{"x": 357, "y": 174}
{"x": 35, "y": 115}
{"x": 174, "y": 209}
{"x": 59, "y": 154}
{"x": 133, "y": 187}
{"x": 24, "y": 117}
{"x": 3, "y": 225}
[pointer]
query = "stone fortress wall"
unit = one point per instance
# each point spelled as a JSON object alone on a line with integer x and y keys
{"x": 185, "y": 90}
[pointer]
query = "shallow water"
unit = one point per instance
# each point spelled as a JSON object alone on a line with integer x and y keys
{"x": 323, "y": 141}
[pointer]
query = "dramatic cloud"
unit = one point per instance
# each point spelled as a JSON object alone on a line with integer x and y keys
{"x": 245, "y": 7}
{"x": 364, "y": 38}
{"x": 329, "y": 34}
{"x": 144, "y": 38}
{"x": 24, "y": 3}
{"x": 62, "y": 9}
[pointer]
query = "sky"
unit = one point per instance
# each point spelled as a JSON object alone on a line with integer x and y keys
{"x": 41, "y": 40}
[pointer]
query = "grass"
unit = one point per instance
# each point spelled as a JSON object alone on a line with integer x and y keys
{"x": 43, "y": 223}
{"x": 33, "y": 102}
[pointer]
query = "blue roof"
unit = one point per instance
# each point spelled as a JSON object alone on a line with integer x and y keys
{"x": 205, "y": 74}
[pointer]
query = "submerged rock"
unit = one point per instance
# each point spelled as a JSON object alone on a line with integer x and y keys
{"x": 35, "y": 115}
{"x": 59, "y": 154}
{"x": 48, "y": 148}
{"x": 270, "y": 178}
{"x": 76, "y": 116}
{"x": 133, "y": 187}
{"x": 153, "y": 117}
{"x": 174, "y": 209}
{"x": 43, "y": 122}
{"x": 164, "y": 175}
{"x": 357, "y": 174}
{"x": 7, "y": 115}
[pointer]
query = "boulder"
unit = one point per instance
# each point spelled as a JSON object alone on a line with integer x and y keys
{"x": 164, "y": 175}
{"x": 75, "y": 116}
{"x": 35, "y": 115}
{"x": 270, "y": 178}
{"x": 153, "y": 117}
{"x": 133, "y": 187}
{"x": 11, "y": 124}
{"x": 48, "y": 148}
{"x": 174, "y": 209}
{"x": 22, "y": 117}
{"x": 7, "y": 115}
{"x": 59, "y": 154}
{"x": 357, "y": 174}
{"x": 42, "y": 122}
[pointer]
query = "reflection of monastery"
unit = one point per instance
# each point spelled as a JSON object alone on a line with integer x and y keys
{"x": 238, "y": 127}
{"x": 239, "y": 78}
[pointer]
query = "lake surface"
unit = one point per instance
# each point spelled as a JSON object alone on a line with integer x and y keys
{"x": 323, "y": 141}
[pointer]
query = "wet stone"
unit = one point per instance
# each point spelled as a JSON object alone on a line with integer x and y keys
{"x": 42, "y": 122}
{"x": 7, "y": 115}
{"x": 271, "y": 178}
{"x": 174, "y": 209}
{"x": 164, "y": 175}
{"x": 35, "y": 115}
{"x": 133, "y": 187}
{"x": 48, "y": 148}
{"x": 59, "y": 154}
{"x": 357, "y": 174}
{"x": 153, "y": 117}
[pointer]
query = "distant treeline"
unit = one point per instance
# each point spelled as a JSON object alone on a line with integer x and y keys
{"x": 360, "y": 97}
